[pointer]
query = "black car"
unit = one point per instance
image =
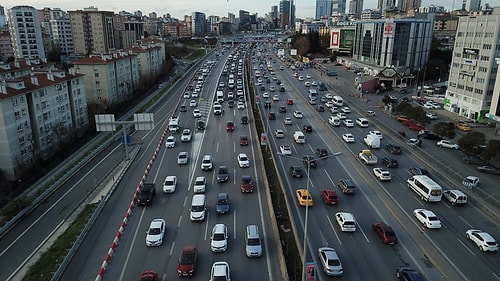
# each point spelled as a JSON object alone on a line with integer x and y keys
{"x": 146, "y": 194}
{"x": 390, "y": 162}
{"x": 321, "y": 152}
{"x": 346, "y": 186}
{"x": 282, "y": 109}
{"x": 272, "y": 116}
{"x": 393, "y": 148}
{"x": 200, "y": 125}
{"x": 230, "y": 104}
{"x": 489, "y": 170}
{"x": 431, "y": 136}
{"x": 222, "y": 205}
{"x": 222, "y": 174}
{"x": 418, "y": 171}
{"x": 268, "y": 104}
{"x": 408, "y": 274}
{"x": 307, "y": 128}
{"x": 183, "y": 108}
{"x": 474, "y": 159}
{"x": 320, "y": 108}
{"x": 310, "y": 161}
{"x": 244, "y": 119}
{"x": 296, "y": 171}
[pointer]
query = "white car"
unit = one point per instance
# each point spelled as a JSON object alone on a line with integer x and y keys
{"x": 298, "y": 114}
{"x": 219, "y": 238}
{"x": 484, "y": 241}
{"x": 271, "y": 88}
{"x": 346, "y": 110}
{"x": 194, "y": 94}
{"x": 170, "y": 142}
{"x": 186, "y": 135}
{"x": 348, "y": 138}
{"x": 370, "y": 113}
{"x": 329, "y": 96}
{"x": 301, "y": 78}
{"x": 170, "y": 184}
{"x": 187, "y": 95}
{"x": 432, "y": 115}
{"x": 330, "y": 261}
{"x": 427, "y": 218}
{"x": 376, "y": 133}
{"x": 239, "y": 92}
{"x": 314, "y": 83}
{"x": 182, "y": 158}
{"x": 307, "y": 84}
{"x": 413, "y": 142}
{"x": 346, "y": 221}
{"x": 341, "y": 115}
{"x": 265, "y": 95}
{"x": 447, "y": 144}
{"x": 308, "y": 76}
{"x": 276, "y": 98}
{"x": 241, "y": 105}
{"x": 279, "y": 134}
{"x": 220, "y": 271}
{"x": 287, "y": 121}
{"x": 329, "y": 104}
{"x": 243, "y": 160}
{"x": 155, "y": 233}
{"x": 200, "y": 185}
{"x": 192, "y": 103}
{"x": 348, "y": 123}
{"x": 285, "y": 150}
{"x": 382, "y": 174}
{"x": 196, "y": 113}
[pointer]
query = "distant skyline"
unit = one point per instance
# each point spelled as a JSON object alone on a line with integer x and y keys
{"x": 179, "y": 8}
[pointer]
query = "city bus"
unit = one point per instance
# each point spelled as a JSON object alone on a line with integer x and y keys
{"x": 426, "y": 188}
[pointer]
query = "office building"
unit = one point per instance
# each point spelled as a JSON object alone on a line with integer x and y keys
{"x": 26, "y": 33}
{"x": 323, "y": 9}
{"x": 355, "y": 8}
{"x": 338, "y": 7}
{"x": 198, "y": 24}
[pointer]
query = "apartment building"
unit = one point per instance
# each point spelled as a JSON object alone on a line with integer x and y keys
{"x": 40, "y": 107}
{"x": 26, "y": 33}
{"x": 473, "y": 67}
{"x": 150, "y": 59}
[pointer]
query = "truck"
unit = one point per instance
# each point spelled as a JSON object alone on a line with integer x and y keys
{"x": 367, "y": 157}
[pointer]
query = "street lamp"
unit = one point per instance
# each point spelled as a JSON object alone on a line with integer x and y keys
{"x": 439, "y": 79}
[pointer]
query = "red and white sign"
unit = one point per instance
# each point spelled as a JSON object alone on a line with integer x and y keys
{"x": 388, "y": 28}
{"x": 335, "y": 39}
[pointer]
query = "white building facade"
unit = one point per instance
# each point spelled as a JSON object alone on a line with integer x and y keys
{"x": 26, "y": 32}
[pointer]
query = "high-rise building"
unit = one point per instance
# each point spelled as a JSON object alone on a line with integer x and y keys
{"x": 323, "y": 9}
{"x": 60, "y": 31}
{"x": 3, "y": 18}
{"x": 473, "y": 68}
{"x": 93, "y": 31}
{"x": 287, "y": 14}
{"x": 472, "y": 5}
{"x": 198, "y": 24}
{"x": 244, "y": 21}
{"x": 338, "y": 7}
{"x": 274, "y": 17}
{"x": 26, "y": 33}
{"x": 356, "y": 8}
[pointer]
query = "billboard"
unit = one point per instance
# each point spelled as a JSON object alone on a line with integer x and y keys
{"x": 342, "y": 38}
{"x": 388, "y": 28}
{"x": 293, "y": 52}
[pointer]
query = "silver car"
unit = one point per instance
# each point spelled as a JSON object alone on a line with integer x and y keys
{"x": 330, "y": 261}
{"x": 182, "y": 158}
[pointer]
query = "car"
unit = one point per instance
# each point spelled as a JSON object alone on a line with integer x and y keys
{"x": 330, "y": 261}
{"x": 285, "y": 149}
{"x": 301, "y": 78}
{"x": 298, "y": 114}
{"x": 186, "y": 135}
{"x": 182, "y": 108}
{"x": 243, "y": 160}
{"x": 207, "y": 162}
{"x": 415, "y": 171}
{"x": 329, "y": 196}
{"x": 447, "y": 144}
{"x": 220, "y": 272}
{"x": 314, "y": 83}
{"x": 279, "y": 134}
{"x": 427, "y": 218}
{"x": 329, "y": 104}
{"x": 170, "y": 184}
{"x": 474, "y": 159}
{"x": 345, "y": 110}
{"x": 282, "y": 109}
{"x": 385, "y": 233}
{"x": 222, "y": 205}
{"x": 287, "y": 121}
{"x": 155, "y": 233}
{"x": 149, "y": 275}
{"x": 408, "y": 274}
{"x": 186, "y": 95}
{"x": 146, "y": 194}
{"x": 272, "y": 116}
{"x": 382, "y": 174}
{"x": 307, "y": 84}
{"x": 370, "y": 113}
{"x": 187, "y": 262}
{"x": 230, "y": 126}
{"x": 348, "y": 137}
{"x": 307, "y": 128}
{"x": 310, "y": 161}
{"x": 346, "y": 221}
{"x": 265, "y": 95}
{"x": 218, "y": 238}
{"x": 432, "y": 115}
{"x": 272, "y": 89}
{"x": 304, "y": 197}
{"x": 296, "y": 171}
{"x": 182, "y": 158}
{"x": 402, "y": 118}
{"x": 222, "y": 174}
{"x": 346, "y": 186}
{"x": 413, "y": 142}
{"x": 321, "y": 152}
{"x": 192, "y": 103}
{"x": 390, "y": 162}
{"x": 329, "y": 96}
{"x": 276, "y": 98}
{"x": 348, "y": 123}
{"x": 244, "y": 120}
{"x": 376, "y": 133}
{"x": 200, "y": 124}
{"x": 268, "y": 104}
{"x": 289, "y": 102}
{"x": 170, "y": 142}
{"x": 246, "y": 184}
{"x": 240, "y": 105}
{"x": 463, "y": 127}
{"x": 484, "y": 241}
{"x": 308, "y": 76}
{"x": 320, "y": 108}
{"x": 489, "y": 170}
{"x": 196, "y": 113}
{"x": 341, "y": 115}
{"x": 393, "y": 148}
{"x": 200, "y": 184}
{"x": 429, "y": 135}
{"x": 416, "y": 127}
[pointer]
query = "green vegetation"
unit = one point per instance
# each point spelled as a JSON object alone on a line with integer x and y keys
{"x": 444, "y": 129}
{"x": 416, "y": 113}
{"x": 49, "y": 261}
{"x": 471, "y": 141}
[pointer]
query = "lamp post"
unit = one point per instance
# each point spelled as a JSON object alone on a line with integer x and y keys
{"x": 439, "y": 79}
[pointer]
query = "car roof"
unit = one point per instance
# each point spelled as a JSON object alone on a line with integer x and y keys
{"x": 156, "y": 223}
{"x": 330, "y": 253}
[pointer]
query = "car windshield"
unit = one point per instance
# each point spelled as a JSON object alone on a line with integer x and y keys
{"x": 199, "y": 183}
{"x": 187, "y": 260}
{"x": 222, "y": 202}
{"x": 154, "y": 231}
{"x": 218, "y": 236}
{"x": 253, "y": 242}
{"x": 389, "y": 234}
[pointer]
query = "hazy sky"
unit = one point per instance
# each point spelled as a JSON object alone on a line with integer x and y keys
{"x": 179, "y": 8}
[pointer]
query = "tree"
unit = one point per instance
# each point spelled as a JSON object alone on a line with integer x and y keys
{"x": 444, "y": 129}
{"x": 471, "y": 141}
{"x": 492, "y": 151}
{"x": 302, "y": 44}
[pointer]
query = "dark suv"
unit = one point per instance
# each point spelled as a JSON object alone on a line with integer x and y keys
{"x": 393, "y": 148}
{"x": 222, "y": 206}
{"x": 296, "y": 171}
{"x": 310, "y": 161}
{"x": 222, "y": 174}
{"x": 307, "y": 128}
{"x": 474, "y": 159}
{"x": 346, "y": 186}
{"x": 244, "y": 119}
{"x": 146, "y": 194}
{"x": 390, "y": 162}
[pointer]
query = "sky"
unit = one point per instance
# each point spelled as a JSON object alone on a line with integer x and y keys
{"x": 179, "y": 8}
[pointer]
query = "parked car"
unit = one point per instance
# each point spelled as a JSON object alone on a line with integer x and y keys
{"x": 447, "y": 144}
{"x": 474, "y": 159}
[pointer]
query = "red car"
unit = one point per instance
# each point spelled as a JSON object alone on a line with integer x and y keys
{"x": 243, "y": 140}
{"x": 416, "y": 127}
{"x": 149, "y": 275}
{"x": 385, "y": 233}
{"x": 289, "y": 102}
{"x": 186, "y": 265}
{"x": 329, "y": 196}
{"x": 230, "y": 126}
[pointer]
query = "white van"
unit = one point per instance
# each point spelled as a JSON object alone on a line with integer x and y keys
{"x": 217, "y": 109}
{"x": 173, "y": 124}
{"x": 198, "y": 208}
{"x": 338, "y": 101}
{"x": 220, "y": 96}
{"x": 299, "y": 137}
{"x": 334, "y": 121}
{"x": 373, "y": 141}
{"x": 455, "y": 196}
